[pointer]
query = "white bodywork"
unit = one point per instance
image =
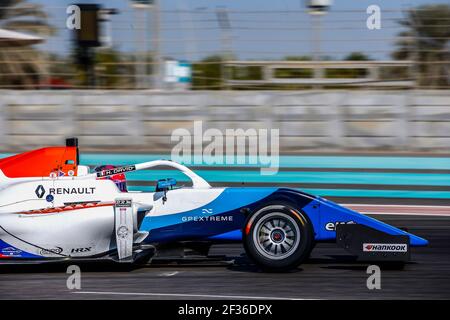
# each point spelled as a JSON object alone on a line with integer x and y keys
{"x": 59, "y": 229}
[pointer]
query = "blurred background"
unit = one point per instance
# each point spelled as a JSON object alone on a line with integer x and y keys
{"x": 225, "y": 45}
{"x": 361, "y": 97}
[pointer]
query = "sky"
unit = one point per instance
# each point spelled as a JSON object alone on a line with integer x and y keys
{"x": 260, "y": 29}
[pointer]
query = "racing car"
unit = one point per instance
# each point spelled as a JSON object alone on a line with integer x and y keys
{"x": 54, "y": 209}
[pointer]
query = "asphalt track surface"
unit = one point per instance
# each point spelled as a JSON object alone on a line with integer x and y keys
{"x": 328, "y": 274}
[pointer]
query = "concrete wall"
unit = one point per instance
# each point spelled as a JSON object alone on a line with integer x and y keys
{"x": 307, "y": 120}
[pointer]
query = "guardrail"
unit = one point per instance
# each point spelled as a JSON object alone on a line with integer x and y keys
{"x": 314, "y": 73}
{"x": 143, "y": 121}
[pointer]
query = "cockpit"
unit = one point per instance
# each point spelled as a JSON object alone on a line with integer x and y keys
{"x": 119, "y": 179}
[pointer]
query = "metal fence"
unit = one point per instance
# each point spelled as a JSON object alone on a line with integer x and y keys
{"x": 143, "y": 121}
{"x": 370, "y": 74}
{"x": 38, "y": 51}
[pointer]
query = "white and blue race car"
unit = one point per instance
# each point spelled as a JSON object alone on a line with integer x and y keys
{"x": 53, "y": 209}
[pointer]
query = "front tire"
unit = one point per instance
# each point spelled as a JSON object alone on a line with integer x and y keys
{"x": 278, "y": 238}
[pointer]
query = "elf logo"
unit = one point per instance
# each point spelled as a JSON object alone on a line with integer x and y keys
{"x": 331, "y": 226}
{"x": 385, "y": 247}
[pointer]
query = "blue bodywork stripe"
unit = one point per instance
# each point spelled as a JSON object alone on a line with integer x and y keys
{"x": 319, "y": 211}
{"x": 227, "y": 201}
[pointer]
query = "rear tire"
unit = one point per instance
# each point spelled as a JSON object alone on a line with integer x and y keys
{"x": 278, "y": 238}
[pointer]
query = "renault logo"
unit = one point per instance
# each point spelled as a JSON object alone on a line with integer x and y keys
{"x": 40, "y": 191}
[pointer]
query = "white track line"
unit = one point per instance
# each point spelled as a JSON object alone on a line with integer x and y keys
{"x": 408, "y": 210}
{"x": 184, "y": 295}
{"x": 169, "y": 274}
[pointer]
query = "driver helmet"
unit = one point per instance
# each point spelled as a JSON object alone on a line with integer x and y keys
{"x": 119, "y": 179}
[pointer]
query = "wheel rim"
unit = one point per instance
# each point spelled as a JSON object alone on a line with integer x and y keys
{"x": 276, "y": 236}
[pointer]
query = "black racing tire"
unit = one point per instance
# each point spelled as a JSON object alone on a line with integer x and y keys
{"x": 278, "y": 238}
